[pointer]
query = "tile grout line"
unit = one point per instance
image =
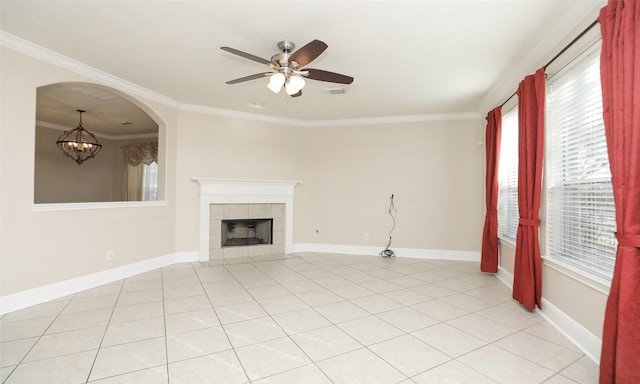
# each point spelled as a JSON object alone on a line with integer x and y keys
{"x": 235, "y": 353}
{"x": 44, "y": 332}
{"x": 106, "y": 328}
{"x": 287, "y": 334}
{"x": 280, "y": 327}
{"x": 164, "y": 323}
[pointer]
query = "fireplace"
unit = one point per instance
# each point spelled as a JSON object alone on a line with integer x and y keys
{"x": 245, "y": 200}
{"x": 245, "y": 232}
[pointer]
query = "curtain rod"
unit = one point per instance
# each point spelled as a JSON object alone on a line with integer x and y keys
{"x": 584, "y": 32}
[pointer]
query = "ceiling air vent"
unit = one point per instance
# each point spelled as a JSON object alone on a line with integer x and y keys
{"x": 336, "y": 90}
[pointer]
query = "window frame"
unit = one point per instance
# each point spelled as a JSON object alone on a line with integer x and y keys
{"x": 512, "y": 113}
{"x": 580, "y": 272}
{"x": 585, "y": 46}
{"x": 150, "y": 174}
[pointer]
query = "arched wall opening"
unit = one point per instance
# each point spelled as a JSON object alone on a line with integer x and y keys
{"x": 125, "y": 127}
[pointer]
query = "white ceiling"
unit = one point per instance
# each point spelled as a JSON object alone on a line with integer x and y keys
{"x": 407, "y": 57}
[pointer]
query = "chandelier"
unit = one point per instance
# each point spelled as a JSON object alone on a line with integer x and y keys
{"x": 78, "y": 143}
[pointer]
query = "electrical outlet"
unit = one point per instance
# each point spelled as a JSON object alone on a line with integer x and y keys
{"x": 109, "y": 255}
{"x": 366, "y": 236}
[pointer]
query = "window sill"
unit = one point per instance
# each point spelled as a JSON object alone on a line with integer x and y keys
{"x": 105, "y": 205}
{"x": 592, "y": 281}
{"x": 511, "y": 243}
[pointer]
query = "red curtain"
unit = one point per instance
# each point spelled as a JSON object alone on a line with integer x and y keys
{"x": 489, "y": 259}
{"x": 527, "y": 274}
{"x": 620, "y": 76}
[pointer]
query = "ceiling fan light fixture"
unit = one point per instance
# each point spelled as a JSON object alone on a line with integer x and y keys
{"x": 289, "y": 68}
{"x": 294, "y": 85}
{"x": 276, "y": 81}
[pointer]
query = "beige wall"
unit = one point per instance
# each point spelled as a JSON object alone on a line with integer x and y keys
{"x": 40, "y": 248}
{"x": 434, "y": 170}
{"x": 226, "y": 148}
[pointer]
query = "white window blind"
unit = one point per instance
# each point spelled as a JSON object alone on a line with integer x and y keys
{"x": 580, "y": 214}
{"x": 508, "y": 177}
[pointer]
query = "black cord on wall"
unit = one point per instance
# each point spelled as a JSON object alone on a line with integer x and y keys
{"x": 392, "y": 208}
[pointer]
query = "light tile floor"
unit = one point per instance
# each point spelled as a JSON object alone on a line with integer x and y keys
{"x": 304, "y": 318}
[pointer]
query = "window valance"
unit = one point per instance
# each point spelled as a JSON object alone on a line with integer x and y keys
{"x": 135, "y": 154}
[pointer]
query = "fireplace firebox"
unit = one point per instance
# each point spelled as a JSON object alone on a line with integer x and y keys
{"x": 243, "y": 232}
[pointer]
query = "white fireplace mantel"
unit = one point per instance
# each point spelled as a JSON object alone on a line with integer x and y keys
{"x": 217, "y": 191}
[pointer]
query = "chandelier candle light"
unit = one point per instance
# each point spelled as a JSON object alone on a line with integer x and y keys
{"x": 78, "y": 143}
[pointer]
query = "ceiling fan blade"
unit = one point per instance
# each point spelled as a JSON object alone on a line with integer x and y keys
{"x": 332, "y": 77}
{"x": 247, "y": 78}
{"x": 308, "y": 53}
{"x": 246, "y": 55}
{"x": 297, "y": 94}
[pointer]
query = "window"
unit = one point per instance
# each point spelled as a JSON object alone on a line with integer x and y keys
{"x": 580, "y": 210}
{"x": 150, "y": 182}
{"x": 141, "y": 175}
{"x": 508, "y": 177}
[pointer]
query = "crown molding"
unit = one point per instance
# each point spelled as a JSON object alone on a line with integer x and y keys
{"x": 46, "y": 55}
{"x": 330, "y": 123}
{"x": 59, "y": 127}
{"x": 240, "y": 115}
{"x": 393, "y": 119}
{"x": 49, "y": 56}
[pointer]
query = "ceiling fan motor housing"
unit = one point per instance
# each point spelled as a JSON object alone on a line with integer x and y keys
{"x": 282, "y": 59}
{"x": 286, "y": 46}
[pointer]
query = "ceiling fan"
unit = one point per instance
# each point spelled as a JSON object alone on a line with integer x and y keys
{"x": 287, "y": 67}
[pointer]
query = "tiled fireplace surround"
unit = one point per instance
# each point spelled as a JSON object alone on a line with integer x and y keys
{"x": 242, "y": 199}
{"x": 219, "y": 212}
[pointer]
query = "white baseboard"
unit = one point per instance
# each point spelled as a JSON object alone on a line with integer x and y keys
{"x": 332, "y": 248}
{"x": 24, "y": 299}
{"x": 586, "y": 341}
{"x": 399, "y": 252}
{"x": 506, "y": 277}
{"x": 186, "y": 257}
